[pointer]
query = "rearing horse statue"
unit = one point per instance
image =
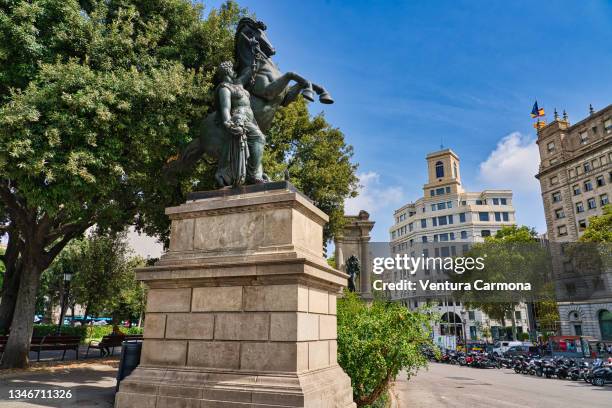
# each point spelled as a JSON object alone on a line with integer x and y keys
{"x": 269, "y": 89}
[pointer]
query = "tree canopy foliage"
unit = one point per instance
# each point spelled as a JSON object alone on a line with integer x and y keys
{"x": 95, "y": 97}
{"x": 103, "y": 281}
{"x": 512, "y": 255}
{"x": 600, "y": 227}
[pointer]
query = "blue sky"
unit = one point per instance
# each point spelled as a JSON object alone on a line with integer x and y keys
{"x": 407, "y": 76}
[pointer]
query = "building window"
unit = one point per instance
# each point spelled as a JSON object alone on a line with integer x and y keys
{"x": 439, "y": 169}
{"x": 554, "y": 180}
{"x": 424, "y": 238}
{"x": 496, "y": 201}
{"x": 448, "y": 190}
{"x": 483, "y": 216}
{"x": 442, "y": 220}
{"x": 604, "y": 199}
{"x": 440, "y": 191}
{"x": 587, "y": 167}
{"x": 559, "y": 213}
{"x": 517, "y": 315}
{"x": 449, "y": 204}
{"x": 411, "y": 226}
{"x": 562, "y": 230}
{"x": 608, "y": 125}
{"x": 588, "y": 186}
{"x": 582, "y": 224}
{"x": 505, "y": 216}
{"x": 485, "y": 233}
{"x": 471, "y": 315}
{"x": 503, "y": 201}
{"x": 599, "y": 181}
{"x": 556, "y": 197}
{"x": 551, "y": 147}
{"x": 579, "y": 207}
{"x": 584, "y": 137}
{"x": 454, "y": 170}
{"x": 431, "y": 193}
{"x": 461, "y": 217}
{"x": 497, "y": 216}
{"x": 463, "y": 234}
{"x": 433, "y": 207}
{"x": 591, "y": 204}
{"x": 450, "y": 219}
{"x": 576, "y": 189}
{"x": 480, "y": 202}
{"x": 441, "y": 206}
{"x": 424, "y": 223}
{"x": 465, "y": 202}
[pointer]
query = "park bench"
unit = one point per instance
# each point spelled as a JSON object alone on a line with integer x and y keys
{"x": 51, "y": 342}
{"x": 111, "y": 342}
{"x": 54, "y": 342}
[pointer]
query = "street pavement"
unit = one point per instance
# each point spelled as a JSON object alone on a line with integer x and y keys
{"x": 92, "y": 386}
{"x": 446, "y": 385}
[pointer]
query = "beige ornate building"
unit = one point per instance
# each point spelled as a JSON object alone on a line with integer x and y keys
{"x": 575, "y": 172}
{"x": 576, "y": 182}
{"x": 442, "y": 223}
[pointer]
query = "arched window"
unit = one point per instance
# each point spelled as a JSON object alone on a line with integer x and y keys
{"x": 605, "y": 324}
{"x": 439, "y": 169}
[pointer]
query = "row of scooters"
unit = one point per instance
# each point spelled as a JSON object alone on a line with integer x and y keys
{"x": 596, "y": 372}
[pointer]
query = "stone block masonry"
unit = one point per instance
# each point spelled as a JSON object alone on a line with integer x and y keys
{"x": 241, "y": 311}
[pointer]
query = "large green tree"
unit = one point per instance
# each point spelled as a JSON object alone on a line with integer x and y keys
{"x": 103, "y": 276}
{"x": 512, "y": 255}
{"x": 599, "y": 228}
{"x": 95, "y": 96}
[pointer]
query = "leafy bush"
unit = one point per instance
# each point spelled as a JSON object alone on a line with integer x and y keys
{"x": 523, "y": 336}
{"x": 86, "y": 333}
{"x": 51, "y": 329}
{"x": 376, "y": 342}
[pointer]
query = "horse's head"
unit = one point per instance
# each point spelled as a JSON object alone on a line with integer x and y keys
{"x": 249, "y": 32}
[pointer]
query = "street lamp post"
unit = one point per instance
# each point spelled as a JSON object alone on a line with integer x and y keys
{"x": 464, "y": 315}
{"x": 65, "y": 296}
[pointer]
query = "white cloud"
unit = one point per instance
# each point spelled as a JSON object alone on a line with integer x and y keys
{"x": 372, "y": 195}
{"x": 377, "y": 199}
{"x": 513, "y": 164}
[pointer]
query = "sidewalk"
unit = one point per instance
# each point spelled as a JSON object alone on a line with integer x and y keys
{"x": 90, "y": 384}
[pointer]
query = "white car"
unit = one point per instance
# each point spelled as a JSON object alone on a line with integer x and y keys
{"x": 500, "y": 347}
{"x": 100, "y": 323}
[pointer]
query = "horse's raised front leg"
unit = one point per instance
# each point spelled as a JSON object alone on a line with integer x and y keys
{"x": 267, "y": 89}
{"x": 324, "y": 96}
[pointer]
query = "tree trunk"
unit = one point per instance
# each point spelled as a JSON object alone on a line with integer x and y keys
{"x": 513, "y": 326}
{"x": 18, "y": 345}
{"x": 10, "y": 287}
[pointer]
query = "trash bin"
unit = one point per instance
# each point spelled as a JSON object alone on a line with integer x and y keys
{"x": 130, "y": 358}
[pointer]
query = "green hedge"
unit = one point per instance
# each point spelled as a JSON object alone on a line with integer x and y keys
{"x": 86, "y": 333}
{"x": 49, "y": 329}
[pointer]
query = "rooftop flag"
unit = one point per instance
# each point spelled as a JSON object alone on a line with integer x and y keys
{"x": 537, "y": 111}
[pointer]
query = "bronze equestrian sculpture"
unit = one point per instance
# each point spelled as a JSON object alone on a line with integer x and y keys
{"x": 268, "y": 90}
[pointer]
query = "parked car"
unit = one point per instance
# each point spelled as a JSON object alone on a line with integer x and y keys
{"x": 100, "y": 323}
{"x": 500, "y": 347}
{"x": 521, "y": 350}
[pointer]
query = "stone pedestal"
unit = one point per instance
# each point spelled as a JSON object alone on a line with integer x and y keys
{"x": 241, "y": 311}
